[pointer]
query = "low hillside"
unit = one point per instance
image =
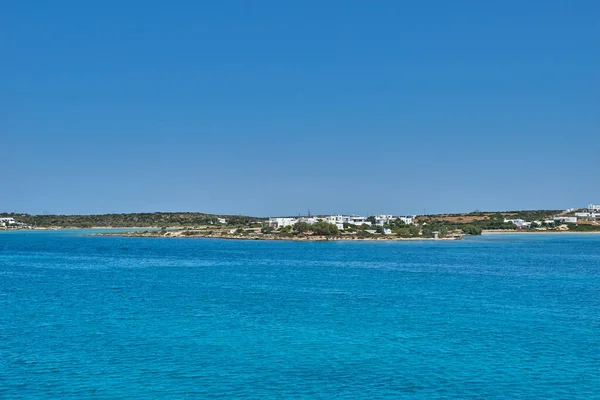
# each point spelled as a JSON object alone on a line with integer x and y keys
{"x": 158, "y": 219}
{"x": 488, "y": 220}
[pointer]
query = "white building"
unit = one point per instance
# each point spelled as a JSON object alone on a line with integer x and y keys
{"x": 356, "y": 220}
{"x": 222, "y": 220}
{"x": 308, "y": 220}
{"x": 518, "y": 222}
{"x": 383, "y": 219}
{"x": 387, "y": 231}
{"x": 566, "y": 220}
{"x": 594, "y": 208}
{"x": 407, "y": 219}
{"x": 7, "y": 222}
{"x": 588, "y": 215}
{"x": 337, "y": 220}
{"x": 282, "y": 222}
{"x": 334, "y": 219}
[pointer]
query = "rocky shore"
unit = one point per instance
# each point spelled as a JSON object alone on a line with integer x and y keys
{"x": 264, "y": 236}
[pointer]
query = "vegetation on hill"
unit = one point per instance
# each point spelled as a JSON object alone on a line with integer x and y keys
{"x": 158, "y": 219}
{"x": 583, "y": 227}
{"x": 533, "y": 215}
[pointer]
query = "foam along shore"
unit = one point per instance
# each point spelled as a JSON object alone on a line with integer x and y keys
{"x": 172, "y": 233}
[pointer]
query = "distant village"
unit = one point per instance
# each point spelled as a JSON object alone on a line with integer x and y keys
{"x": 569, "y": 216}
{"x": 342, "y": 221}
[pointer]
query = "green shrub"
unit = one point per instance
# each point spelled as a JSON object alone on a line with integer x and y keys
{"x": 324, "y": 228}
{"x": 301, "y": 227}
{"x": 471, "y": 229}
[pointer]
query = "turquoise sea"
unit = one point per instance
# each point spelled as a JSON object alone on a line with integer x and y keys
{"x": 502, "y": 316}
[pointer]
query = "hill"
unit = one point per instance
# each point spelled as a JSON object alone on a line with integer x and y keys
{"x": 157, "y": 219}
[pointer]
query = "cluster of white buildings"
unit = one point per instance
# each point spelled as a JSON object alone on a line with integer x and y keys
{"x": 382, "y": 219}
{"x": 340, "y": 220}
{"x": 6, "y": 222}
{"x": 522, "y": 224}
{"x": 592, "y": 214}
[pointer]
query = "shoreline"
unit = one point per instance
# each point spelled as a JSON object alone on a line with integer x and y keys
{"x": 516, "y": 232}
{"x": 73, "y": 228}
{"x": 269, "y": 237}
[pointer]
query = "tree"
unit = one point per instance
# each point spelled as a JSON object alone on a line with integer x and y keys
{"x": 371, "y": 219}
{"x": 496, "y": 217}
{"x": 324, "y": 228}
{"x": 403, "y": 232}
{"x": 349, "y": 226}
{"x": 414, "y": 230}
{"x": 471, "y": 229}
{"x": 398, "y": 223}
{"x": 434, "y": 227}
{"x": 301, "y": 227}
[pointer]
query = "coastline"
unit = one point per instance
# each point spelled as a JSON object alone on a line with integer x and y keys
{"x": 272, "y": 237}
{"x": 517, "y": 232}
{"x": 177, "y": 232}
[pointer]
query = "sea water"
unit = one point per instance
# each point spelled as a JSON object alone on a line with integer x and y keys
{"x": 507, "y": 316}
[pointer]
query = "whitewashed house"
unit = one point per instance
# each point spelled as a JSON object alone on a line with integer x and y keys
{"x": 382, "y": 219}
{"x": 337, "y": 220}
{"x": 407, "y": 219}
{"x": 334, "y": 219}
{"x": 566, "y": 220}
{"x": 518, "y": 222}
{"x": 282, "y": 222}
{"x": 356, "y": 220}
{"x": 7, "y": 222}
{"x": 308, "y": 220}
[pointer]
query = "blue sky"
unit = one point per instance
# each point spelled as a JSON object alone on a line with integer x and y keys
{"x": 274, "y": 107}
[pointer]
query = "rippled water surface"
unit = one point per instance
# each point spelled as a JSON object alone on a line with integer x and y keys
{"x": 489, "y": 317}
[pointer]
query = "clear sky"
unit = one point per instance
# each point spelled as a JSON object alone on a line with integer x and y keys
{"x": 273, "y": 107}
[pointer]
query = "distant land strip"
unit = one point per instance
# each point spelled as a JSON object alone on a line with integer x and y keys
{"x": 195, "y": 224}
